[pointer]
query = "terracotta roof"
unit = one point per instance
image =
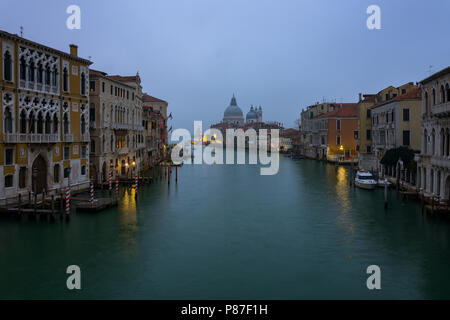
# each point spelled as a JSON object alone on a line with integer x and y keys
{"x": 411, "y": 94}
{"x": 348, "y": 110}
{"x": 124, "y": 78}
{"x": 149, "y": 98}
{"x": 97, "y": 72}
{"x": 369, "y": 98}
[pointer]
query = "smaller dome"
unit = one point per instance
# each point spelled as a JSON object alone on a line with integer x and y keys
{"x": 252, "y": 114}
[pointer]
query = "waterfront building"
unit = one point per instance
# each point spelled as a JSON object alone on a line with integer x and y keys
{"x": 44, "y": 105}
{"x": 396, "y": 123}
{"x": 366, "y": 155}
{"x": 338, "y": 133}
{"x": 433, "y": 163}
{"x": 313, "y": 145}
{"x": 287, "y": 137}
{"x": 155, "y": 129}
{"x": 117, "y": 134}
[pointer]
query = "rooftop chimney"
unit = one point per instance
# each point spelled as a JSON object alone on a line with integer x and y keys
{"x": 360, "y": 97}
{"x": 74, "y": 50}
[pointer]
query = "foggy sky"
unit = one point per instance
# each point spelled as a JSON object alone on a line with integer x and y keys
{"x": 282, "y": 55}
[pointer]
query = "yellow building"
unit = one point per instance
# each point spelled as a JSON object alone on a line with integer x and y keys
{"x": 117, "y": 133}
{"x": 366, "y": 155}
{"x": 44, "y": 132}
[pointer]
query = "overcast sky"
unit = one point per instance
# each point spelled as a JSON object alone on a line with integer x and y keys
{"x": 282, "y": 55}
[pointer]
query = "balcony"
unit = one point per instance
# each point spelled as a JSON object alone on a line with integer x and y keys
{"x": 68, "y": 137}
{"x": 122, "y": 151}
{"x": 121, "y": 126}
{"x": 85, "y": 137}
{"x": 38, "y": 86}
{"x": 31, "y": 137}
{"x": 441, "y": 110}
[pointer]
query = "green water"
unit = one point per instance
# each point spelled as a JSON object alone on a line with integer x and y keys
{"x": 225, "y": 232}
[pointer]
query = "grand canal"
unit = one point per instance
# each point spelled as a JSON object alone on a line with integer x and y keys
{"x": 225, "y": 232}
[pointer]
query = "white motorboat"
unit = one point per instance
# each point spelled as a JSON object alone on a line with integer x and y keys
{"x": 365, "y": 180}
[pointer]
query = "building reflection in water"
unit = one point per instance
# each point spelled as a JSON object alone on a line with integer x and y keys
{"x": 127, "y": 215}
{"x": 342, "y": 190}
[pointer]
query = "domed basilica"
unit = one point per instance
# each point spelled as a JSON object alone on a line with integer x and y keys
{"x": 233, "y": 114}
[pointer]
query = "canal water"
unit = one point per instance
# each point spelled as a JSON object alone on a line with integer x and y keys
{"x": 226, "y": 232}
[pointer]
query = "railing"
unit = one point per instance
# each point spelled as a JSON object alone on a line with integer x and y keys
{"x": 122, "y": 151}
{"x": 121, "y": 126}
{"x": 441, "y": 109}
{"x": 68, "y": 137}
{"x": 31, "y": 137}
{"x": 37, "y": 86}
{"x": 85, "y": 137}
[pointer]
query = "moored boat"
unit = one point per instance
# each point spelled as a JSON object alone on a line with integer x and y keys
{"x": 365, "y": 180}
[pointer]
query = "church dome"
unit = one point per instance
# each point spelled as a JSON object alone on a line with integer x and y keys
{"x": 233, "y": 113}
{"x": 252, "y": 115}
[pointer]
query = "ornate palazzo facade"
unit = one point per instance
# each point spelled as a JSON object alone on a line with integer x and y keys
{"x": 44, "y": 112}
{"x": 433, "y": 167}
{"x": 117, "y": 133}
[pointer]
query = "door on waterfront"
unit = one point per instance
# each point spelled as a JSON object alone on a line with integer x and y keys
{"x": 447, "y": 188}
{"x": 39, "y": 175}
{"x": 104, "y": 172}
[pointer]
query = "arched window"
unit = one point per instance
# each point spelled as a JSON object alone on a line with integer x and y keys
{"x": 433, "y": 140}
{"x": 103, "y": 143}
{"x": 7, "y": 116}
{"x": 55, "y": 123}
{"x": 31, "y": 122}
{"x": 426, "y": 102}
{"x": 55, "y": 77}
{"x": 40, "y": 122}
{"x": 7, "y": 66}
{"x": 83, "y": 84}
{"x": 112, "y": 142}
{"x": 66, "y": 124}
{"x": 447, "y": 89}
{"x": 434, "y": 97}
{"x": 48, "y": 124}
{"x": 425, "y": 142}
{"x": 447, "y": 142}
{"x": 23, "y": 69}
{"x": 40, "y": 73}
{"x": 442, "y": 139}
{"x": 23, "y": 122}
{"x": 31, "y": 70}
{"x": 56, "y": 170}
{"x": 47, "y": 75}
{"x": 65, "y": 80}
{"x": 83, "y": 125}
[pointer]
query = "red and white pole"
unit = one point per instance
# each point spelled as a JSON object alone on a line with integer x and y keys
{"x": 67, "y": 200}
{"x": 110, "y": 181}
{"x": 136, "y": 180}
{"x": 117, "y": 187}
{"x": 92, "y": 192}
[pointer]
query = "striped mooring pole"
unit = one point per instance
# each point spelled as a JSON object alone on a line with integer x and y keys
{"x": 67, "y": 200}
{"x": 117, "y": 187}
{"x": 92, "y": 192}
{"x": 110, "y": 181}
{"x": 136, "y": 185}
